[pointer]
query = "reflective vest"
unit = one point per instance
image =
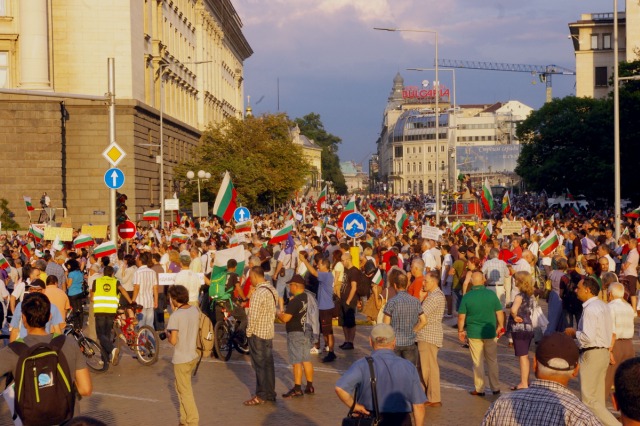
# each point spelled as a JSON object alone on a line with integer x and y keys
{"x": 105, "y": 298}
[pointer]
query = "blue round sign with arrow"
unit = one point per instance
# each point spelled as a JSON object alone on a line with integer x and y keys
{"x": 114, "y": 178}
{"x": 354, "y": 225}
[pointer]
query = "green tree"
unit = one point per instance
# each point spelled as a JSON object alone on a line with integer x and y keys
{"x": 266, "y": 166}
{"x": 629, "y": 130}
{"x": 311, "y": 126}
{"x": 568, "y": 143}
{"x": 6, "y": 216}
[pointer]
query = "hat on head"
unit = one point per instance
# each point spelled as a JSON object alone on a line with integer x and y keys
{"x": 558, "y": 345}
{"x": 383, "y": 334}
{"x": 297, "y": 279}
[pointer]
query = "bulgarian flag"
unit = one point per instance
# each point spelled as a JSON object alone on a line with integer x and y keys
{"x": 331, "y": 228}
{"x": 487, "y": 198}
{"x": 233, "y": 241}
{"x": 402, "y": 220}
{"x": 377, "y": 278}
{"x": 625, "y": 232}
{"x": 4, "y": 264}
{"x": 83, "y": 241}
{"x": 282, "y": 234}
{"x": 36, "y": 233}
{"x": 217, "y": 287}
{"x": 28, "y": 249}
{"x": 104, "y": 249}
{"x": 322, "y": 199}
{"x": 27, "y": 202}
{"x": 349, "y": 208}
{"x": 456, "y": 227}
{"x": 549, "y": 244}
{"x": 569, "y": 195}
{"x": 291, "y": 215}
{"x": 151, "y": 215}
{"x": 574, "y": 211}
{"x": 245, "y": 226}
{"x": 634, "y": 214}
{"x": 372, "y": 214}
{"x": 486, "y": 232}
{"x": 226, "y": 199}
{"x": 178, "y": 238}
{"x": 506, "y": 204}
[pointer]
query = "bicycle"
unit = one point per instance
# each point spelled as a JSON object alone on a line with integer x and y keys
{"x": 227, "y": 336}
{"x": 142, "y": 341}
{"x": 96, "y": 357}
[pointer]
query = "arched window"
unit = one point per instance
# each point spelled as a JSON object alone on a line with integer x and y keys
{"x": 430, "y": 187}
{"x": 420, "y": 167}
{"x": 414, "y": 167}
{"x": 429, "y": 166}
{"x": 421, "y": 188}
{"x": 408, "y": 186}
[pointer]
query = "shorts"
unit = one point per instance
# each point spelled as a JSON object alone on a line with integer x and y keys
{"x": 326, "y": 321}
{"x": 282, "y": 282}
{"x": 298, "y": 347}
{"x": 630, "y": 284}
{"x": 521, "y": 342}
{"x": 446, "y": 287}
{"x": 347, "y": 318}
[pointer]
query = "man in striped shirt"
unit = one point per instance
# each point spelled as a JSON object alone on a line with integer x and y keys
{"x": 145, "y": 289}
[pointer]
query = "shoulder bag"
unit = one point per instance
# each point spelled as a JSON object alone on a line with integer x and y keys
{"x": 357, "y": 419}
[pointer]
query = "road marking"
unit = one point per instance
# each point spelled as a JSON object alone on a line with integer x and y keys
{"x": 137, "y": 398}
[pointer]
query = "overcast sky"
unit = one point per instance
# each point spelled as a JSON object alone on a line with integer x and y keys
{"x": 330, "y": 61}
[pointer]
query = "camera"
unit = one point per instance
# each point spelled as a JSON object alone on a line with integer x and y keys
{"x": 162, "y": 335}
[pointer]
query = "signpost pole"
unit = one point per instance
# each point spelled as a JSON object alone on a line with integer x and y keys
{"x": 112, "y": 137}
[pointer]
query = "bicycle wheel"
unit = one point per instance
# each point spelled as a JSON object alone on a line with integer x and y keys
{"x": 222, "y": 341}
{"x": 147, "y": 345}
{"x": 241, "y": 342}
{"x": 96, "y": 357}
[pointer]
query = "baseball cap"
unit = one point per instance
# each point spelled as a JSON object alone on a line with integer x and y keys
{"x": 383, "y": 333}
{"x": 297, "y": 279}
{"x": 557, "y": 345}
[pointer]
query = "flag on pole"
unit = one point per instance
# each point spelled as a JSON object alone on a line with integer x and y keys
{"x": 27, "y": 202}
{"x": 234, "y": 241}
{"x": 226, "y": 199}
{"x": 377, "y": 278}
{"x": 573, "y": 210}
{"x": 245, "y": 226}
{"x": 456, "y": 227}
{"x": 569, "y": 195}
{"x": 104, "y": 249}
{"x": 332, "y": 229}
{"x": 486, "y": 232}
{"x": 373, "y": 216}
{"x": 402, "y": 221}
{"x": 634, "y": 214}
{"x": 549, "y": 244}
{"x": 57, "y": 244}
{"x": 83, "y": 241}
{"x": 625, "y": 232}
{"x": 322, "y": 199}
{"x": 349, "y": 208}
{"x": 217, "y": 288}
{"x": 36, "y": 233}
{"x": 28, "y": 249}
{"x": 151, "y": 215}
{"x": 486, "y": 196}
{"x": 282, "y": 234}
{"x": 4, "y": 264}
{"x": 506, "y": 204}
{"x": 178, "y": 238}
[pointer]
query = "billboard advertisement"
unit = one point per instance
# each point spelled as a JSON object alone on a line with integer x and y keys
{"x": 487, "y": 159}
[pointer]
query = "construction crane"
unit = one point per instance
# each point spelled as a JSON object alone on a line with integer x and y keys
{"x": 544, "y": 72}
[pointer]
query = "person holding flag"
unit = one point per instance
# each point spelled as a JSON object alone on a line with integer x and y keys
{"x": 285, "y": 268}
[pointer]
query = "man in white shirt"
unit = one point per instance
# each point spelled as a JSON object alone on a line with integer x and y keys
{"x": 603, "y": 254}
{"x": 145, "y": 289}
{"x": 189, "y": 279}
{"x": 622, "y": 316}
{"x": 428, "y": 257}
{"x": 594, "y": 335}
{"x": 630, "y": 271}
{"x": 208, "y": 252}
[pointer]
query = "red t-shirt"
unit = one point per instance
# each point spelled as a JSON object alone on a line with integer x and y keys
{"x": 415, "y": 287}
{"x": 385, "y": 259}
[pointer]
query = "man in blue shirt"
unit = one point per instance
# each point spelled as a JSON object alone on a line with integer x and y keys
{"x": 399, "y": 393}
{"x": 53, "y": 325}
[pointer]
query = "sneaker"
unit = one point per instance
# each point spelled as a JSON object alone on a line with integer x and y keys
{"x": 329, "y": 357}
{"x": 115, "y": 353}
{"x": 326, "y": 348}
{"x": 293, "y": 393}
{"x": 314, "y": 351}
{"x": 347, "y": 346}
{"x": 309, "y": 390}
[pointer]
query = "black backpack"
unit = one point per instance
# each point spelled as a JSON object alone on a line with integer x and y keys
{"x": 44, "y": 389}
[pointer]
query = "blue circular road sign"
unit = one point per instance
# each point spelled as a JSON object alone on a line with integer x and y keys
{"x": 354, "y": 225}
{"x": 241, "y": 214}
{"x": 114, "y": 178}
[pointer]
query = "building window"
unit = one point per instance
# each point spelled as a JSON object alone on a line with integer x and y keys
{"x": 398, "y": 152}
{"x": 601, "y": 77}
{"x": 3, "y": 8}
{"x": 606, "y": 41}
{"x": 408, "y": 167}
{"x": 414, "y": 167}
{"x": 420, "y": 167}
{"x": 594, "y": 41}
{"x": 4, "y": 68}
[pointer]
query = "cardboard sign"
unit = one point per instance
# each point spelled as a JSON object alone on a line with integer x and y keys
{"x": 431, "y": 233}
{"x": 170, "y": 279}
{"x": 95, "y": 231}
{"x": 510, "y": 227}
{"x": 64, "y": 234}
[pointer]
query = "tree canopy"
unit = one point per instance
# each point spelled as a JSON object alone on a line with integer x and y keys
{"x": 311, "y": 126}
{"x": 266, "y": 166}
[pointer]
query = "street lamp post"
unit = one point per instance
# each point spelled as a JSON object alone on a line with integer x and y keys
{"x": 616, "y": 122}
{"x": 202, "y": 177}
{"x": 437, "y": 88}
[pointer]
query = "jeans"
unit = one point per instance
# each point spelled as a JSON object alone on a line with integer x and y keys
{"x": 147, "y": 318}
{"x": 261, "y": 351}
{"x": 410, "y": 353}
{"x": 77, "y": 317}
{"x": 104, "y": 325}
{"x": 158, "y": 320}
{"x": 555, "y": 314}
{"x": 458, "y": 294}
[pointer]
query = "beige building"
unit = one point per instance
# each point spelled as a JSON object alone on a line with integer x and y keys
{"x": 592, "y": 38}
{"x": 313, "y": 154}
{"x": 182, "y": 57}
{"x": 355, "y": 179}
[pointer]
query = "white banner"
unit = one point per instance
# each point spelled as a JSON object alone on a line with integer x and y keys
{"x": 431, "y": 233}
{"x": 170, "y": 279}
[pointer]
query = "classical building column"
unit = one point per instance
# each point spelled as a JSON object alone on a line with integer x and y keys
{"x": 34, "y": 45}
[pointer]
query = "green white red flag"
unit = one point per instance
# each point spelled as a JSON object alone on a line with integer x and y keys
{"x": 151, "y": 215}
{"x": 36, "y": 233}
{"x": 573, "y": 210}
{"x": 332, "y": 229}
{"x": 28, "y": 249}
{"x": 634, "y": 214}
{"x": 486, "y": 232}
{"x": 349, "y": 208}
{"x": 83, "y": 241}
{"x": 104, "y": 249}
{"x": 373, "y": 216}
{"x": 178, "y": 238}
{"x": 245, "y": 226}
{"x": 282, "y": 234}
{"x": 402, "y": 221}
{"x": 486, "y": 196}
{"x": 226, "y": 199}
{"x": 377, "y": 278}
{"x": 549, "y": 244}
{"x": 456, "y": 227}
{"x": 27, "y": 202}
{"x": 625, "y": 232}
{"x": 322, "y": 199}
{"x": 4, "y": 263}
{"x": 506, "y": 203}
{"x": 217, "y": 287}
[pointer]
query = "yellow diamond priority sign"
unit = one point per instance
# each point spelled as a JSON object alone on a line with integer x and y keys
{"x": 114, "y": 154}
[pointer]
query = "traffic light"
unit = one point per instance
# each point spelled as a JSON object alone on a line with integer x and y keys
{"x": 121, "y": 208}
